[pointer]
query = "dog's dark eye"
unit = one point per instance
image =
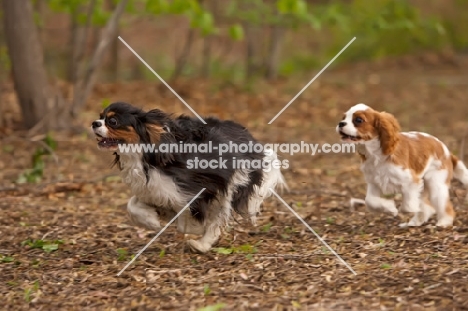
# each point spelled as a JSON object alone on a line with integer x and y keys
{"x": 113, "y": 121}
{"x": 358, "y": 120}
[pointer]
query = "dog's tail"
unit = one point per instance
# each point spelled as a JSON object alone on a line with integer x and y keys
{"x": 273, "y": 180}
{"x": 460, "y": 172}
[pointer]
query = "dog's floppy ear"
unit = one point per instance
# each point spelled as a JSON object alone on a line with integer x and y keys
{"x": 388, "y": 128}
{"x": 155, "y": 122}
{"x": 157, "y": 131}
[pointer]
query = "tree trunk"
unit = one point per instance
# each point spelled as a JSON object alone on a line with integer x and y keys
{"x": 274, "y": 52}
{"x": 3, "y": 73}
{"x": 184, "y": 54}
{"x": 26, "y": 55}
{"x": 206, "y": 56}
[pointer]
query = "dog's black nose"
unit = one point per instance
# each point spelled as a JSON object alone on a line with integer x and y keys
{"x": 342, "y": 124}
{"x": 96, "y": 124}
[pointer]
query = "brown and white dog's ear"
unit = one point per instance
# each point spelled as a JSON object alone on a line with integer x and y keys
{"x": 388, "y": 128}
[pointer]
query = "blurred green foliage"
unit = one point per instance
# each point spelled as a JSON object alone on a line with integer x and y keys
{"x": 286, "y": 13}
{"x": 383, "y": 28}
{"x": 35, "y": 174}
{"x": 457, "y": 25}
{"x": 199, "y": 17}
{"x": 78, "y": 10}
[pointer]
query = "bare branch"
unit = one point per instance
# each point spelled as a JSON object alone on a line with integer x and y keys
{"x": 84, "y": 87}
{"x": 83, "y": 38}
{"x": 183, "y": 56}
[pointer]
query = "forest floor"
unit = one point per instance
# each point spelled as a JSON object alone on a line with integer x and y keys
{"x": 65, "y": 238}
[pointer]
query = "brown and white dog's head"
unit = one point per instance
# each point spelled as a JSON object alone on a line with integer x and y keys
{"x": 362, "y": 124}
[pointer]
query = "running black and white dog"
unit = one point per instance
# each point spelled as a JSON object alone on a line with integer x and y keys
{"x": 162, "y": 183}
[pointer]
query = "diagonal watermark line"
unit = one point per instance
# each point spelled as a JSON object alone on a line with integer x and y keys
{"x": 160, "y": 232}
{"x": 312, "y": 230}
{"x": 313, "y": 79}
{"x": 162, "y": 80}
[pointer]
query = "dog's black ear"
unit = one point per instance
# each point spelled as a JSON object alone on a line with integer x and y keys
{"x": 161, "y": 158}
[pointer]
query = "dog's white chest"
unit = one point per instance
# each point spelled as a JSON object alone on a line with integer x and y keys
{"x": 387, "y": 176}
{"x": 157, "y": 189}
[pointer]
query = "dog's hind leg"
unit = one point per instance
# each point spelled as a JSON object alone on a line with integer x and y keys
{"x": 440, "y": 198}
{"x": 425, "y": 212}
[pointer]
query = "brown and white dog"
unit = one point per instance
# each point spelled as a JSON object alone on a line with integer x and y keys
{"x": 415, "y": 164}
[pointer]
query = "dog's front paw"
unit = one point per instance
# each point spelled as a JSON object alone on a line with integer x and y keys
{"x": 410, "y": 223}
{"x": 446, "y": 221}
{"x": 410, "y": 207}
{"x": 377, "y": 204}
{"x": 198, "y": 247}
{"x": 142, "y": 215}
{"x": 414, "y": 222}
{"x": 389, "y": 207}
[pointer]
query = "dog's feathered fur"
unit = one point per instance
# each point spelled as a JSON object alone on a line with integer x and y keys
{"x": 162, "y": 184}
{"x": 415, "y": 164}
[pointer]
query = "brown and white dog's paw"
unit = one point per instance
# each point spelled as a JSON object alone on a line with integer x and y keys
{"x": 444, "y": 222}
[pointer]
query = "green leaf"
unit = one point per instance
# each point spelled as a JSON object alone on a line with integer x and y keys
{"x": 206, "y": 290}
{"x": 49, "y": 141}
{"x": 203, "y": 21}
{"x": 236, "y": 32}
{"x": 296, "y": 304}
{"x": 267, "y": 227}
{"x": 222, "y": 250}
{"x": 105, "y": 102}
{"x": 100, "y": 17}
{"x": 300, "y": 7}
{"x": 284, "y": 6}
{"x": 7, "y": 259}
{"x": 50, "y": 247}
{"x": 122, "y": 254}
{"x": 295, "y": 7}
{"x": 246, "y": 249}
{"x": 216, "y": 307}
{"x": 157, "y": 7}
{"x": 184, "y": 6}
